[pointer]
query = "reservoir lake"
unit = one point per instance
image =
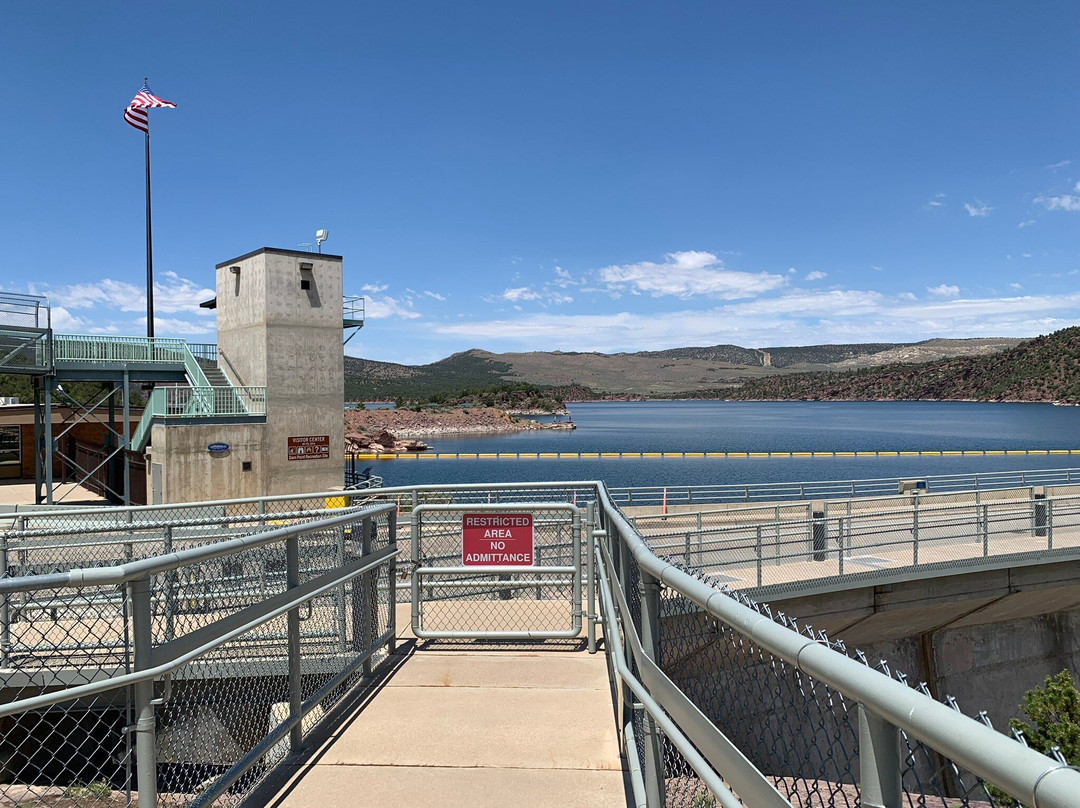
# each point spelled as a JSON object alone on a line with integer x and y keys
{"x": 746, "y": 426}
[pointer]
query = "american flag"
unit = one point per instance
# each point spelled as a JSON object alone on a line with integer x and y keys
{"x": 135, "y": 113}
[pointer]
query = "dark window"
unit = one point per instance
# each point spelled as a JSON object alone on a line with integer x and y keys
{"x": 305, "y": 283}
{"x": 245, "y": 465}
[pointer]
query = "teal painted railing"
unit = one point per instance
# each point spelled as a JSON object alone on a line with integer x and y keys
{"x": 198, "y": 402}
{"x": 92, "y": 348}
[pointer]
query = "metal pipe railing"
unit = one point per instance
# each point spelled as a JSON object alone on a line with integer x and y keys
{"x": 155, "y": 658}
{"x": 1024, "y": 773}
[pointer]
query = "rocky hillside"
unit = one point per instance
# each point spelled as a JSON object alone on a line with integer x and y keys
{"x": 675, "y": 372}
{"x": 1043, "y": 369}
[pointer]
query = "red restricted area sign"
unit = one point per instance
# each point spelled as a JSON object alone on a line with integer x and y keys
{"x": 497, "y": 540}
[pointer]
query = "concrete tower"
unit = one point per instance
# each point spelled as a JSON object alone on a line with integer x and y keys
{"x": 280, "y": 326}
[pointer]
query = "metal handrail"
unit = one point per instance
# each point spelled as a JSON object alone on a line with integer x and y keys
{"x": 884, "y": 702}
{"x": 835, "y": 489}
{"x": 90, "y": 348}
{"x": 1024, "y": 773}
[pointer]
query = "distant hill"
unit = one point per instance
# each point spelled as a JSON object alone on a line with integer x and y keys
{"x": 1043, "y": 369}
{"x": 669, "y": 373}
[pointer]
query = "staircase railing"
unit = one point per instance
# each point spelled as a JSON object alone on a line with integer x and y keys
{"x": 198, "y": 402}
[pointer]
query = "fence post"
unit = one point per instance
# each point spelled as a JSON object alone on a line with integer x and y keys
{"x": 367, "y": 583}
{"x": 821, "y": 540}
{"x": 5, "y": 608}
{"x": 649, "y": 593}
{"x": 145, "y": 724}
{"x": 879, "y": 762}
{"x": 757, "y": 552}
{"x": 292, "y": 580}
{"x": 1039, "y": 510}
{"x": 391, "y": 595}
{"x": 915, "y": 529}
{"x": 591, "y": 533}
{"x": 985, "y": 529}
{"x": 842, "y": 524}
{"x": 171, "y": 578}
{"x": 339, "y": 591}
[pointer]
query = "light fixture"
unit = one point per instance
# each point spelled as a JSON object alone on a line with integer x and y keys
{"x": 321, "y": 236}
{"x": 234, "y": 270}
{"x": 306, "y": 265}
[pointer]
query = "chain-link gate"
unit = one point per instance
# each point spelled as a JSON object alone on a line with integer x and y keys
{"x": 509, "y": 571}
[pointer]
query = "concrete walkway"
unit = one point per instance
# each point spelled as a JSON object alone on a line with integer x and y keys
{"x": 452, "y": 726}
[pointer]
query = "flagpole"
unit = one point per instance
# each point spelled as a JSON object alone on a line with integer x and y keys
{"x": 149, "y": 250}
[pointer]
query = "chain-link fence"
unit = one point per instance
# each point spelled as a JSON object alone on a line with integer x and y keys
{"x": 187, "y": 675}
{"x": 694, "y": 497}
{"x": 515, "y": 574}
{"x": 804, "y": 544}
{"x": 722, "y": 702}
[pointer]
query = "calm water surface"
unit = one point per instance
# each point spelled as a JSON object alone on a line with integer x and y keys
{"x": 722, "y": 426}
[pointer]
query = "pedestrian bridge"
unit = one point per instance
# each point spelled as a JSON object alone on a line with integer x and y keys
{"x": 348, "y": 647}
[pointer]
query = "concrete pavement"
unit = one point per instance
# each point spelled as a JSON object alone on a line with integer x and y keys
{"x": 453, "y": 726}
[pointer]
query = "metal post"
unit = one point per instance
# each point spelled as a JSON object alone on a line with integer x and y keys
{"x": 985, "y": 529}
{"x": 367, "y": 595}
{"x": 879, "y": 762}
{"x": 820, "y": 538}
{"x": 170, "y": 587}
{"x": 757, "y": 553}
{"x": 590, "y": 574}
{"x": 296, "y": 695}
{"x": 47, "y": 431}
{"x": 126, "y": 443}
{"x": 841, "y": 542}
{"x": 5, "y": 608}
{"x": 1039, "y": 510}
{"x": 145, "y": 724}
{"x": 149, "y": 255}
{"x": 339, "y": 592}
{"x": 1049, "y": 524}
{"x": 391, "y": 575}
{"x": 649, "y": 592}
{"x": 915, "y": 529}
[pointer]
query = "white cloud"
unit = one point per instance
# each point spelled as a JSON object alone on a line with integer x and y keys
{"x": 979, "y": 209}
{"x": 875, "y": 267}
{"x": 1065, "y": 202}
{"x": 816, "y": 275}
{"x": 1027, "y": 223}
{"x": 520, "y": 293}
{"x": 689, "y": 273}
{"x": 381, "y": 308}
{"x": 164, "y": 326}
{"x": 1062, "y": 164}
{"x": 563, "y": 278}
{"x": 172, "y": 294}
{"x": 944, "y": 291}
{"x": 935, "y": 202}
{"x": 799, "y": 318}
{"x": 435, "y": 295}
{"x": 374, "y": 288}
{"x": 63, "y": 320}
{"x": 1015, "y": 286}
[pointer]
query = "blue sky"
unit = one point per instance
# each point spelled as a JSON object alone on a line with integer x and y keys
{"x": 558, "y": 175}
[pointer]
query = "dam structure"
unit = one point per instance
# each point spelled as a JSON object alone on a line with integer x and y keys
{"x": 238, "y": 628}
{"x": 550, "y": 642}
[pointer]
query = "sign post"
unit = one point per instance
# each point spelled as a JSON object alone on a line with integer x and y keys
{"x": 497, "y": 540}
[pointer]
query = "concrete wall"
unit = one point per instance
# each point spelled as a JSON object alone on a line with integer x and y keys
{"x": 190, "y": 473}
{"x": 273, "y": 332}
{"x": 985, "y": 638}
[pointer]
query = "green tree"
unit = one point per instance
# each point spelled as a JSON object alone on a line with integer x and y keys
{"x": 1054, "y": 712}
